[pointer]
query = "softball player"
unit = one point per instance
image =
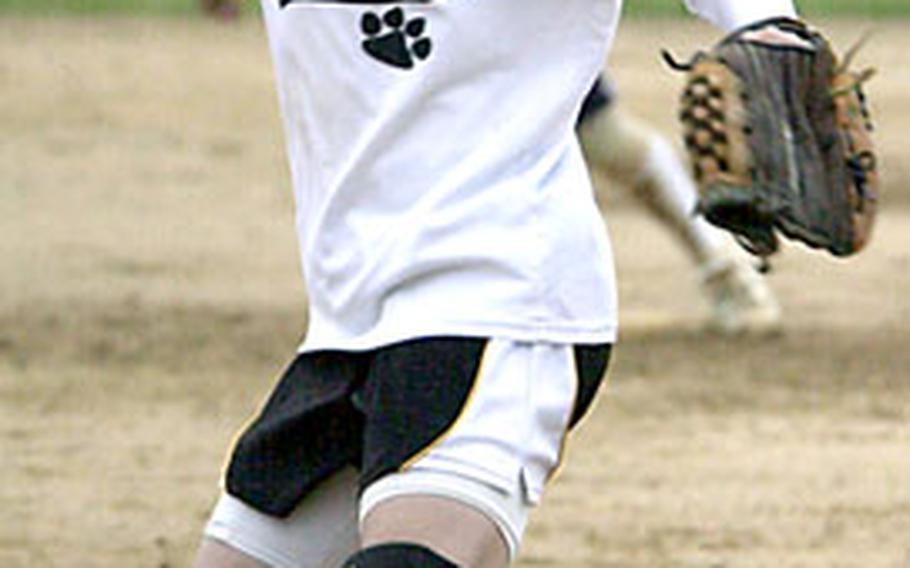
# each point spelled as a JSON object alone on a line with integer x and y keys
{"x": 459, "y": 321}
{"x": 629, "y": 151}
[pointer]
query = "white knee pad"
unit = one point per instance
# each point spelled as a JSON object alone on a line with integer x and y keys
{"x": 321, "y": 532}
{"x": 509, "y": 511}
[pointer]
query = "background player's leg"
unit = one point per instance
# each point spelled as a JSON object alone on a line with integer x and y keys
{"x": 635, "y": 155}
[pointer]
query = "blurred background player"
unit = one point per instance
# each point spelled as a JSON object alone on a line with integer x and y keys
{"x": 626, "y": 150}
{"x": 224, "y": 9}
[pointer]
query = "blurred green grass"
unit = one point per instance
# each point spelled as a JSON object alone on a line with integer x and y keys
{"x": 97, "y": 6}
{"x": 870, "y": 8}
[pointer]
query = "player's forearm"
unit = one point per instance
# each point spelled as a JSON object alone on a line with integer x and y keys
{"x": 732, "y": 14}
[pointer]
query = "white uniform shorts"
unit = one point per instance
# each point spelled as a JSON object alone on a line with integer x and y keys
{"x": 482, "y": 421}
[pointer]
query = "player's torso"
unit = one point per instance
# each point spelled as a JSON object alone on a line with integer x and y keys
{"x": 440, "y": 71}
{"x": 412, "y": 124}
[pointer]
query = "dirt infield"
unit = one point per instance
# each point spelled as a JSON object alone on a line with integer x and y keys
{"x": 150, "y": 293}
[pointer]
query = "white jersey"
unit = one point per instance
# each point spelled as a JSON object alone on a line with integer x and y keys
{"x": 439, "y": 186}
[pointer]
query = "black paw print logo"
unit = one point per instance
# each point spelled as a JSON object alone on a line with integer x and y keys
{"x": 395, "y": 40}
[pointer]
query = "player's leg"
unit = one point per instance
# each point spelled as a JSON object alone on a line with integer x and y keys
{"x": 458, "y": 491}
{"x": 290, "y": 494}
{"x": 320, "y": 533}
{"x": 216, "y": 554}
{"x": 632, "y": 153}
{"x": 426, "y": 523}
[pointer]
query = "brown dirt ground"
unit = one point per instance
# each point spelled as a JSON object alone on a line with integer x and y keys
{"x": 150, "y": 294}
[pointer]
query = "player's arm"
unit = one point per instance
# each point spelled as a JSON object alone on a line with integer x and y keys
{"x": 732, "y": 14}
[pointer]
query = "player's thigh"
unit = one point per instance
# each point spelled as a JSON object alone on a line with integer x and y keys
{"x": 320, "y": 533}
{"x": 478, "y": 424}
{"x": 216, "y": 554}
{"x": 290, "y": 489}
{"x": 456, "y": 531}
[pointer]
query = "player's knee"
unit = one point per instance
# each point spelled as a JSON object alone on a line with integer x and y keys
{"x": 397, "y": 555}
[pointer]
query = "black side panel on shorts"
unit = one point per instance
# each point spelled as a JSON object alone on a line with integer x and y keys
{"x": 397, "y": 555}
{"x": 414, "y": 393}
{"x": 591, "y": 363}
{"x": 307, "y": 430}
